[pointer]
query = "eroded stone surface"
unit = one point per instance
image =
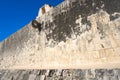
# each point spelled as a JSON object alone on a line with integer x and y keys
{"x": 69, "y": 74}
{"x": 75, "y": 34}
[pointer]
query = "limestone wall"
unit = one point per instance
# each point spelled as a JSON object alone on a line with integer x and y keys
{"x": 75, "y": 34}
{"x": 87, "y": 74}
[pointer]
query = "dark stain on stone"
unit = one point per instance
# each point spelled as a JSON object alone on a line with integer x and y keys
{"x": 102, "y": 45}
{"x": 84, "y": 8}
{"x": 42, "y": 72}
{"x": 110, "y": 72}
{"x": 85, "y": 74}
{"x": 26, "y": 76}
{"x": 100, "y": 73}
{"x": 90, "y": 40}
{"x": 101, "y": 30}
{"x": 82, "y": 74}
{"x": 114, "y": 17}
{"x": 51, "y": 73}
{"x": 118, "y": 28}
{"x": 90, "y": 73}
{"x": 112, "y": 6}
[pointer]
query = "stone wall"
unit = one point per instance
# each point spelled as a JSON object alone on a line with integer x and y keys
{"x": 88, "y": 74}
{"x": 75, "y": 34}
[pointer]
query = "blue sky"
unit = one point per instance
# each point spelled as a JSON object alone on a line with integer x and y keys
{"x": 15, "y": 14}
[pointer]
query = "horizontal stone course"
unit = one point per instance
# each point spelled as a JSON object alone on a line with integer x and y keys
{"x": 66, "y": 74}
